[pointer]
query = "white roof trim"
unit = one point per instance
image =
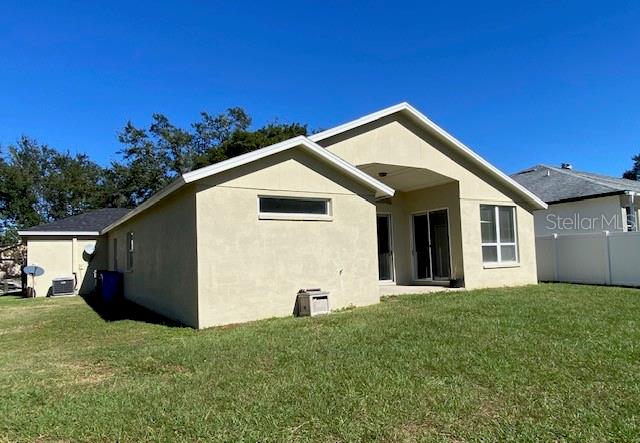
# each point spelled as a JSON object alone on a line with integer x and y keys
{"x": 155, "y": 198}
{"x": 425, "y": 122}
{"x": 300, "y": 141}
{"x": 56, "y": 233}
{"x": 381, "y": 189}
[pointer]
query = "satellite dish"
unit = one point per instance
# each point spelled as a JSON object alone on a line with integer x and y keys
{"x": 90, "y": 249}
{"x": 33, "y": 270}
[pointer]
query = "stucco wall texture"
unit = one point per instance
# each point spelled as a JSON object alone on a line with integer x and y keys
{"x": 205, "y": 258}
{"x": 163, "y": 277}
{"x": 64, "y": 257}
{"x": 396, "y": 140}
{"x": 252, "y": 268}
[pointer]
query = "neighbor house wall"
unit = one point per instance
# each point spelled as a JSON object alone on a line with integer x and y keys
{"x": 396, "y": 140}
{"x": 251, "y": 268}
{"x": 64, "y": 257}
{"x": 164, "y": 275}
{"x": 584, "y": 216}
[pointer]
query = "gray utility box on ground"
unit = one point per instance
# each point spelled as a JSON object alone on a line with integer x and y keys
{"x": 63, "y": 286}
{"x": 312, "y": 302}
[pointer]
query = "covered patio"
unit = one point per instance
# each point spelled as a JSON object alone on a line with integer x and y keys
{"x": 419, "y": 230}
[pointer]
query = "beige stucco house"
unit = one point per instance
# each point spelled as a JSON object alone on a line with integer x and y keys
{"x": 60, "y": 249}
{"x": 388, "y": 199}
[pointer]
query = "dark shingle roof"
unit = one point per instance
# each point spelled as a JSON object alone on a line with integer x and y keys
{"x": 91, "y": 221}
{"x": 553, "y": 184}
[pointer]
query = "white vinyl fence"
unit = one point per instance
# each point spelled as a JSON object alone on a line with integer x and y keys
{"x": 605, "y": 258}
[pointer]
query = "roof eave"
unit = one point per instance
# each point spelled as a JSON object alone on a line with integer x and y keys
{"x": 57, "y": 233}
{"x": 155, "y": 198}
{"x": 534, "y": 201}
{"x": 586, "y": 197}
{"x": 381, "y": 190}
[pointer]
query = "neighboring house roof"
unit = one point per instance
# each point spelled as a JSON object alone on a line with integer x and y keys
{"x": 89, "y": 223}
{"x": 556, "y": 185}
{"x": 428, "y": 125}
{"x": 302, "y": 142}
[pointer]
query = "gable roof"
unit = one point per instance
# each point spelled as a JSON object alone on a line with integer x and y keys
{"x": 301, "y": 142}
{"x": 422, "y": 121}
{"x": 555, "y": 185}
{"x": 89, "y": 223}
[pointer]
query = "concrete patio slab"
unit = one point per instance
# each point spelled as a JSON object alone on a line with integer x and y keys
{"x": 386, "y": 290}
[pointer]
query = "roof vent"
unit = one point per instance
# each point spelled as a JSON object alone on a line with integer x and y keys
{"x": 568, "y": 166}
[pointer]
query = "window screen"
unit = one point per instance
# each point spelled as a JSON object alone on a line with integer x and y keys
{"x": 498, "y": 233}
{"x": 129, "y": 250}
{"x": 285, "y": 205}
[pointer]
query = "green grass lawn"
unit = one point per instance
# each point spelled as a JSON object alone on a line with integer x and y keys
{"x": 541, "y": 363}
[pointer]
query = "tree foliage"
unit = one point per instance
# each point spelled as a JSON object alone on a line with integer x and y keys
{"x": 634, "y": 172}
{"x": 241, "y": 141}
{"x": 40, "y": 184}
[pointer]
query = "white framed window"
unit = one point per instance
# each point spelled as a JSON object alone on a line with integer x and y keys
{"x": 499, "y": 234}
{"x": 115, "y": 254}
{"x": 294, "y": 208}
{"x": 129, "y": 251}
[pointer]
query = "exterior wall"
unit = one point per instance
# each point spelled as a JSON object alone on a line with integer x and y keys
{"x": 584, "y": 216}
{"x": 251, "y": 269}
{"x": 64, "y": 257}
{"x": 476, "y": 274}
{"x": 164, "y": 275}
{"x": 402, "y": 206}
{"x": 396, "y": 140}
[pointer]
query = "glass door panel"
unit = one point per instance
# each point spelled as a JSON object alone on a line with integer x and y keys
{"x": 439, "y": 235}
{"x": 421, "y": 247}
{"x": 385, "y": 254}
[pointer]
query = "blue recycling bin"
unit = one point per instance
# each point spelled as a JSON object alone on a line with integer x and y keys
{"x": 110, "y": 286}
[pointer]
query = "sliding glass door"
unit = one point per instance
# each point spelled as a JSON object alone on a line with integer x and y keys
{"x": 431, "y": 254}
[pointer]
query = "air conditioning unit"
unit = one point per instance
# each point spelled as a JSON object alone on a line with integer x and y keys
{"x": 312, "y": 302}
{"x": 63, "y": 286}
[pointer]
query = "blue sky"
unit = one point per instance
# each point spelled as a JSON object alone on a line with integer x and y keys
{"x": 519, "y": 82}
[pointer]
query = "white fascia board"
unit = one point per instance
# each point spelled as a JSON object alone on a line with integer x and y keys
{"x": 381, "y": 189}
{"x": 300, "y": 141}
{"x": 425, "y": 122}
{"x": 57, "y": 233}
{"x": 243, "y": 159}
{"x": 358, "y": 122}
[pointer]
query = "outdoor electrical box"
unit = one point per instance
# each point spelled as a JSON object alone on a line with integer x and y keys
{"x": 312, "y": 302}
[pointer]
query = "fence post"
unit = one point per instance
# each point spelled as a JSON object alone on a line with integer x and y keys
{"x": 556, "y": 264}
{"x": 607, "y": 268}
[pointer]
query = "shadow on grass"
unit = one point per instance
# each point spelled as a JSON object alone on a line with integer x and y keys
{"x": 122, "y": 309}
{"x": 14, "y": 294}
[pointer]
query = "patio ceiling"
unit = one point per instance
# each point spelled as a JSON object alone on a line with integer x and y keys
{"x": 404, "y": 178}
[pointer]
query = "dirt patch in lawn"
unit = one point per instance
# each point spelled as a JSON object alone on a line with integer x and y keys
{"x": 82, "y": 373}
{"x": 23, "y": 328}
